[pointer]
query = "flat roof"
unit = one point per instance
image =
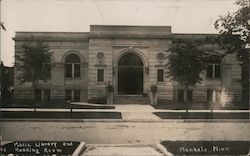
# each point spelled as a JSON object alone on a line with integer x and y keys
{"x": 51, "y": 36}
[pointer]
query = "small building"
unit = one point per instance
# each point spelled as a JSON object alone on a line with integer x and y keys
{"x": 131, "y": 58}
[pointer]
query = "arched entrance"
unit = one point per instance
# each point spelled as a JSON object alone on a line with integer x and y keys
{"x": 130, "y": 75}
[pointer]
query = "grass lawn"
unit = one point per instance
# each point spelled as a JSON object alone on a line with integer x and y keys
{"x": 207, "y": 147}
{"x": 201, "y": 115}
{"x": 58, "y": 106}
{"x": 61, "y": 115}
{"x": 197, "y": 107}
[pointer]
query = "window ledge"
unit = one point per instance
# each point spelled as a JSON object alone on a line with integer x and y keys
{"x": 68, "y": 78}
{"x": 214, "y": 79}
{"x": 160, "y": 82}
{"x": 100, "y": 83}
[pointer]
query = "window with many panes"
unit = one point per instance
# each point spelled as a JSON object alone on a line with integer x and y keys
{"x": 38, "y": 95}
{"x": 100, "y": 75}
{"x": 214, "y": 67}
{"x": 47, "y": 69}
{"x": 160, "y": 75}
{"x": 214, "y": 95}
{"x": 214, "y": 71}
{"x": 181, "y": 95}
{"x": 73, "y": 95}
{"x": 46, "y": 95}
{"x": 190, "y": 95}
{"x": 42, "y": 94}
{"x": 72, "y": 66}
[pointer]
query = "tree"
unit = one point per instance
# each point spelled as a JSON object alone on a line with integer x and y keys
{"x": 234, "y": 35}
{"x": 32, "y": 63}
{"x": 185, "y": 65}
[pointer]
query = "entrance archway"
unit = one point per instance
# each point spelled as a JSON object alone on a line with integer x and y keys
{"x": 130, "y": 75}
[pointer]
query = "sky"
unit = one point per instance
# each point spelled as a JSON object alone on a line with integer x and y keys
{"x": 185, "y": 16}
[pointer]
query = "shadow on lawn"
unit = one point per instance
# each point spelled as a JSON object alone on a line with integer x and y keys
{"x": 202, "y": 115}
{"x": 61, "y": 115}
{"x": 198, "y": 106}
{"x": 54, "y": 104}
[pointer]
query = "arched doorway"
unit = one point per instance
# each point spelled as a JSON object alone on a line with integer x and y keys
{"x": 130, "y": 75}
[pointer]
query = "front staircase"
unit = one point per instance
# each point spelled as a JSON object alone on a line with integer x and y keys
{"x": 131, "y": 99}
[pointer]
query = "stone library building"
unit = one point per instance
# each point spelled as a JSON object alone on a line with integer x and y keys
{"x": 131, "y": 59}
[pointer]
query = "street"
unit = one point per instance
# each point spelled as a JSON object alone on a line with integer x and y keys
{"x": 124, "y": 132}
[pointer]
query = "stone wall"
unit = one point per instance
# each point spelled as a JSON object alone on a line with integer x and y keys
{"x": 60, "y": 44}
{"x": 102, "y": 48}
{"x": 145, "y": 42}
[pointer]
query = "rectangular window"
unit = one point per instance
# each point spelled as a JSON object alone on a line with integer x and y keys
{"x": 214, "y": 71}
{"x": 160, "y": 75}
{"x": 42, "y": 95}
{"x": 209, "y": 95}
{"x": 214, "y": 95}
{"x": 68, "y": 95}
{"x": 190, "y": 95}
{"x": 68, "y": 70}
{"x": 73, "y": 95}
{"x": 217, "y": 73}
{"x": 46, "y": 95}
{"x": 77, "y": 70}
{"x": 47, "y": 69}
{"x": 210, "y": 71}
{"x": 180, "y": 95}
{"x": 38, "y": 95}
{"x": 76, "y": 95}
{"x": 100, "y": 75}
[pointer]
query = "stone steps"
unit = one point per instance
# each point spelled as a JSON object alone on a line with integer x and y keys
{"x": 131, "y": 99}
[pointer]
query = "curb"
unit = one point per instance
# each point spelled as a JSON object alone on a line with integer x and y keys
{"x": 122, "y": 120}
{"x": 79, "y": 150}
{"x": 163, "y": 150}
{"x": 118, "y": 110}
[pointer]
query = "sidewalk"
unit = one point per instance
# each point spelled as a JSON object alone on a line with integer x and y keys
{"x": 121, "y": 150}
{"x": 119, "y": 108}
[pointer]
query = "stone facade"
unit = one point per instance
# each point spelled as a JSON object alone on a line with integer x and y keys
{"x": 61, "y": 45}
{"x": 100, "y": 52}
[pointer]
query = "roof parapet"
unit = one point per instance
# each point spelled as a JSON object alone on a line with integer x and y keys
{"x": 51, "y": 36}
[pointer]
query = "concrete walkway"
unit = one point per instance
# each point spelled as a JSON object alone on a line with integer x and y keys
{"x": 120, "y": 150}
{"x": 137, "y": 112}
